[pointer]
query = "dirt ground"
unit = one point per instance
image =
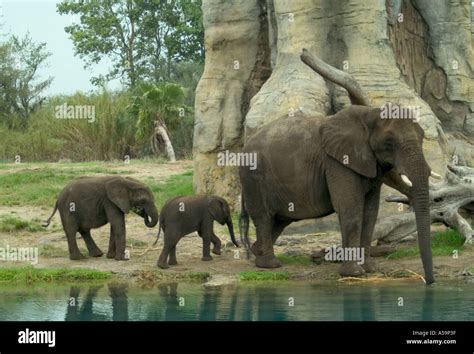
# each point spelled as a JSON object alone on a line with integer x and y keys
{"x": 189, "y": 251}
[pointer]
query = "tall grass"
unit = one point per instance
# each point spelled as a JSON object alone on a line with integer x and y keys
{"x": 110, "y": 137}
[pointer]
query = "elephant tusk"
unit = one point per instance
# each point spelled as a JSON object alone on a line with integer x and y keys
{"x": 435, "y": 175}
{"x": 406, "y": 180}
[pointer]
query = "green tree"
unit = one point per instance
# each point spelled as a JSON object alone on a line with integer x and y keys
{"x": 143, "y": 39}
{"x": 21, "y": 90}
{"x": 157, "y": 107}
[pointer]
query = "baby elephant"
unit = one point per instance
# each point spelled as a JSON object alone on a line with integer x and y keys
{"x": 91, "y": 202}
{"x": 183, "y": 215}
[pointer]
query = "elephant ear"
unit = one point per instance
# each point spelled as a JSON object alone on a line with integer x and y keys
{"x": 346, "y": 139}
{"x": 118, "y": 193}
{"x": 216, "y": 208}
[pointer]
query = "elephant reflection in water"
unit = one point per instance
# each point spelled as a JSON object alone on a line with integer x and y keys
{"x": 387, "y": 303}
{"x": 205, "y": 309}
{"x": 358, "y": 304}
{"x": 85, "y": 311}
{"x": 169, "y": 293}
{"x": 220, "y": 303}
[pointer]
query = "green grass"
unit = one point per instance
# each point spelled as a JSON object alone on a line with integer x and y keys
{"x": 13, "y": 224}
{"x": 263, "y": 276}
{"x": 181, "y": 184}
{"x": 194, "y": 276}
{"x": 442, "y": 244}
{"x": 51, "y": 251}
{"x": 298, "y": 260}
{"x": 41, "y": 186}
{"x": 30, "y": 274}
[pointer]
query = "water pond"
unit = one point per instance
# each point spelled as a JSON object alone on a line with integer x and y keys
{"x": 274, "y": 301}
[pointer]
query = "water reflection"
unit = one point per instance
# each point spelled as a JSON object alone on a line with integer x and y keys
{"x": 241, "y": 302}
{"x": 84, "y": 310}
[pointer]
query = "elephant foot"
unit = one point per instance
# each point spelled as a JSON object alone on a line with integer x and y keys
{"x": 267, "y": 262}
{"x": 162, "y": 265}
{"x": 110, "y": 254}
{"x": 255, "y": 249}
{"x": 351, "y": 269}
{"x": 206, "y": 258}
{"x": 172, "y": 262}
{"x": 369, "y": 266}
{"x": 76, "y": 257}
{"x": 121, "y": 258}
{"x": 96, "y": 253}
{"x": 216, "y": 251}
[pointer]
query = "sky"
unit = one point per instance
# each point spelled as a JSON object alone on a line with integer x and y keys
{"x": 40, "y": 18}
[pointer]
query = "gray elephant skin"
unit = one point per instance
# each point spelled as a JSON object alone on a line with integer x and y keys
{"x": 91, "y": 202}
{"x": 185, "y": 214}
{"x": 310, "y": 167}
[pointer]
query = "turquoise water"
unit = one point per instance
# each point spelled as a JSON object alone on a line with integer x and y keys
{"x": 282, "y": 301}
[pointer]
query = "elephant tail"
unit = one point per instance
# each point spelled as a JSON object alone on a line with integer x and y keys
{"x": 244, "y": 226}
{"x": 160, "y": 226}
{"x": 47, "y": 222}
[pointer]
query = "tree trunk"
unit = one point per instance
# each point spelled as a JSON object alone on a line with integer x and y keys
{"x": 159, "y": 139}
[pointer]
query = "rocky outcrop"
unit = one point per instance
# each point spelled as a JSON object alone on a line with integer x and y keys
{"x": 399, "y": 51}
{"x": 237, "y": 63}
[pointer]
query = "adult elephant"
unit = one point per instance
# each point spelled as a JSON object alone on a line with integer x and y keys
{"x": 91, "y": 202}
{"x": 310, "y": 167}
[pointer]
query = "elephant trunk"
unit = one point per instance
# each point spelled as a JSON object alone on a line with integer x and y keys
{"x": 418, "y": 171}
{"x": 230, "y": 226}
{"x": 151, "y": 217}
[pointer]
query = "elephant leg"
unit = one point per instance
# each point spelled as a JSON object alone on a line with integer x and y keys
{"x": 171, "y": 239}
{"x": 278, "y": 227}
{"x": 117, "y": 223}
{"x": 371, "y": 209}
{"x": 216, "y": 244}
{"x": 71, "y": 229}
{"x": 206, "y": 236}
{"x": 94, "y": 251}
{"x": 263, "y": 247}
{"x": 172, "y": 258}
{"x": 111, "y": 250}
{"x": 348, "y": 201}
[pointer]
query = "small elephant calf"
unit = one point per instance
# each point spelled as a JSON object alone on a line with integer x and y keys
{"x": 185, "y": 214}
{"x": 91, "y": 202}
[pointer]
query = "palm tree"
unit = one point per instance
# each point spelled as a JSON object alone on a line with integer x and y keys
{"x": 155, "y": 107}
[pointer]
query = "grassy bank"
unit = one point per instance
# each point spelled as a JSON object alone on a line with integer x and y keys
{"x": 442, "y": 244}
{"x": 31, "y": 275}
{"x": 263, "y": 276}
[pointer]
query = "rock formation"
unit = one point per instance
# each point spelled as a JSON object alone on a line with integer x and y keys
{"x": 410, "y": 52}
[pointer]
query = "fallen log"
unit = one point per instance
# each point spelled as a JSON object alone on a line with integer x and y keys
{"x": 455, "y": 192}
